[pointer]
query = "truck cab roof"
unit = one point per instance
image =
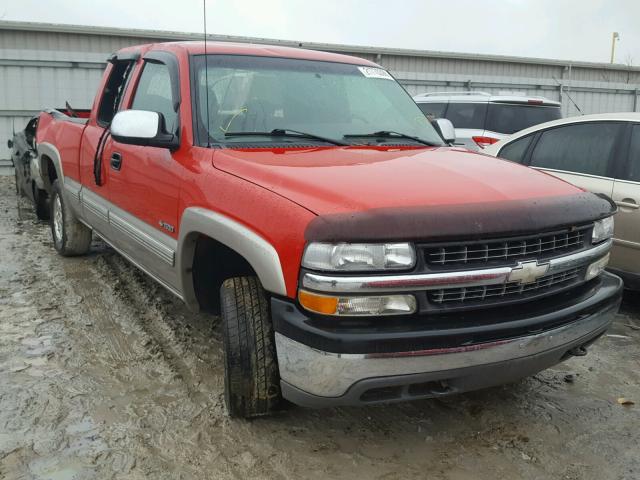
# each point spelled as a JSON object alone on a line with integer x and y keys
{"x": 230, "y": 48}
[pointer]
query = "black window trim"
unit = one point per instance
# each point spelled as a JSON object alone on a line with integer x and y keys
{"x": 612, "y": 162}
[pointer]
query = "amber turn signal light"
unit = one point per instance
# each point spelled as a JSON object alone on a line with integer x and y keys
{"x": 318, "y": 303}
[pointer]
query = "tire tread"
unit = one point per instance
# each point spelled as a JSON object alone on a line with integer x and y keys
{"x": 252, "y": 380}
{"x": 76, "y": 236}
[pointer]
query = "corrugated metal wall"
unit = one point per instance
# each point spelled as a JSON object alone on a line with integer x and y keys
{"x": 45, "y": 65}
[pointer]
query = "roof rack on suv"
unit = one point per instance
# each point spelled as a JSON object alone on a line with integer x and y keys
{"x": 434, "y": 94}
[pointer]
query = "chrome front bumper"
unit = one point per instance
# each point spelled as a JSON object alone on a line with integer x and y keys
{"x": 316, "y": 378}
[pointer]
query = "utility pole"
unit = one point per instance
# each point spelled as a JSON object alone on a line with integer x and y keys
{"x": 614, "y": 37}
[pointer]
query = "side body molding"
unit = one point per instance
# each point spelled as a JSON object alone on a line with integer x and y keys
{"x": 260, "y": 254}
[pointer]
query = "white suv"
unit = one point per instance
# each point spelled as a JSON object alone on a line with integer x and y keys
{"x": 481, "y": 119}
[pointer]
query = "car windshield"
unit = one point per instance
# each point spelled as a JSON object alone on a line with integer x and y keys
{"x": 326, "y": 99}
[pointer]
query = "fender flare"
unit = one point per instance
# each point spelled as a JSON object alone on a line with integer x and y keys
{"x": 52, "y": 153}
{"x": 258, "y": 252}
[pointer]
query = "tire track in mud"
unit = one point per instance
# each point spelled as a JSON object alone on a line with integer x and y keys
{"x": 171, "y": 331}
{"x": 151, "y": 316}
{"x": 41, "y": 419}
{"x": 158, "y": 319}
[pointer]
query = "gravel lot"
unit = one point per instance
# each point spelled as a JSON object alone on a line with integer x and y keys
{"x": 105, "y": 375}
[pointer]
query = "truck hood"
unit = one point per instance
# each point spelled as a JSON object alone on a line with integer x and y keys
{"x": 416, "y": 190}
{"x": 333, "y": 180}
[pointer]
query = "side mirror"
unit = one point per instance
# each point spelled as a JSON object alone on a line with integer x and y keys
{"x": 140, "y": 127}
{"x": 10, "y": 144}
{"x": 446, "y": 129}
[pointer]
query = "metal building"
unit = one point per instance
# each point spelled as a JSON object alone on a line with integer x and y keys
{"x": 45, "y": 65}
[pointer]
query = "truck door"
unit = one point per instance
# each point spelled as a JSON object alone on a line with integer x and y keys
{"x": 144, "y": 182}
{"x": 94, "y": 176}
{"x": 626, "y": 193}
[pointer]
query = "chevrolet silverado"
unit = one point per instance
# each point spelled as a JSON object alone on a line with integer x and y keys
{"x": 354, "y": 255}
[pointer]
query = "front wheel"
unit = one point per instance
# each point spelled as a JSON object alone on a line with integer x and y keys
{"x": 252, "y": 381}
{"x": 70, "y": 236}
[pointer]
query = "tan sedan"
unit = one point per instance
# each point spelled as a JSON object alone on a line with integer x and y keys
{"x": 600, "y": 153}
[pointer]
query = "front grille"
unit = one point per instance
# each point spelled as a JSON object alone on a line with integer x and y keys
{"x": 491, "y": 293}
{"x": 505, "y": 250}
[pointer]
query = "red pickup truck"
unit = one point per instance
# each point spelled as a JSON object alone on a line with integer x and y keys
{"x": 355, "y": 256}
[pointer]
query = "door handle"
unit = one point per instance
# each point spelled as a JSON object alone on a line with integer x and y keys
{"x": 116, "y": 161}
{"x": 627, "y": 203}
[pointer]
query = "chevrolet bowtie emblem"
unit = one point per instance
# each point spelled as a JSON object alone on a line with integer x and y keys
{"x": 528, "y": 272}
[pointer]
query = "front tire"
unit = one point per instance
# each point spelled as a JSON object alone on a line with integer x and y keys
{"x": 70, "y": 237}
{"x": 252, "y": 381}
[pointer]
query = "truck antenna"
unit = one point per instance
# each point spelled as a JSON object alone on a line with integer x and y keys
{"x": 206, "y": 72}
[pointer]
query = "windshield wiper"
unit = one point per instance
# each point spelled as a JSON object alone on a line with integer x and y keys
{"x": 392, "y": 134}
{"x": 287, "y": 132}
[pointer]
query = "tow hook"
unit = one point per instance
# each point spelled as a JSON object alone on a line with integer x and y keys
{"x": 578, "y": 351}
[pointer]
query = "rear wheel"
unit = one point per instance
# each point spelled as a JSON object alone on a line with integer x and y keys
{"x": 41, "y": 200}
{"x": 70, "y": 237}
{"x": 252, "y": 382}
{"x": 18, "y": 189}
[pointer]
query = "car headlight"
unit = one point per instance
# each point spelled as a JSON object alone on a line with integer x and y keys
{"x": 602, "y": 230}
{"x": 358, "y": 257}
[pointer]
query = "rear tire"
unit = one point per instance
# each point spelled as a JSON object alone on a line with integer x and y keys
{"x": 18, "y": 189}
{"x": 252, "y": 381}
{"x": 70, "y": 237}
{"x": 41, "y": 200}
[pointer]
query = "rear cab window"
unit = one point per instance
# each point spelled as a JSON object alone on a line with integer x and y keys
{"x": 586, "y": 148}
{"x": 512, "y": 117}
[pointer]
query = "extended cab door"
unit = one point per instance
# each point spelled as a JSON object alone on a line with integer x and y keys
{"x": 94, "y": 174}
{"x": 626, "y": 194}
{"x": 580, "y": 153}
{"x": 144, "y": 181}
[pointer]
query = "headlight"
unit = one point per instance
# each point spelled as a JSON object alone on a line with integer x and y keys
{"x": 359, "y": 257}
{"x": 602, "y": 229}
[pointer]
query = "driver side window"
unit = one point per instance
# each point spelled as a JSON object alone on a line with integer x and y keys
{"x": 154, "y": 94}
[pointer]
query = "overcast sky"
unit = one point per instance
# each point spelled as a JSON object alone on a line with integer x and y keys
{"x": 563, "y": 29}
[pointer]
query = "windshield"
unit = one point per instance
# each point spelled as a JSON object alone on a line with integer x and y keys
{"x": 331, "y": 100}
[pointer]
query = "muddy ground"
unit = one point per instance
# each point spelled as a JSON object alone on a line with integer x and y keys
{"x": 105, "y": 375}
